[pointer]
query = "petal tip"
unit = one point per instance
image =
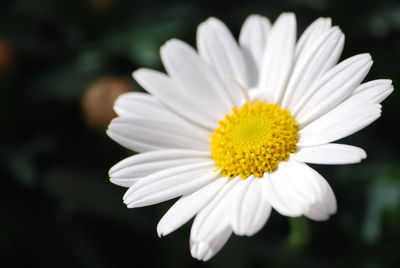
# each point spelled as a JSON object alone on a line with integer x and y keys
{"x": 201, "y": 251}
{"x": 162, "y": 229}
{"x": 160, "y": 232}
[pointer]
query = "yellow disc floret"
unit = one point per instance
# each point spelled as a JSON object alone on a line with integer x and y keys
{"x": 253, "y": 140}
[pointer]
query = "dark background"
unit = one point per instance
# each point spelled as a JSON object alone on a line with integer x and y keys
{"x": 58, "y": 208}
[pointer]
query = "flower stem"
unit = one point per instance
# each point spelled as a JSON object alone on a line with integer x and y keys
{"x": 299, "y": 234}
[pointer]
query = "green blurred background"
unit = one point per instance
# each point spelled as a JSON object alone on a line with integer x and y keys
{"x": 62, "y": 62}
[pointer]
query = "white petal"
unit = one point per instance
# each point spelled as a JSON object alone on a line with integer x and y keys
{"x": 316, "y": 214}
{"x": 169, "y": 183}
{"x": 373, "y": 91}
{"x": 155, "y": 156}
{"x": 210, "y": 229}
{"x": 340, "y": 122}
{"x": 254, "y": 36}
{"x": 197, "y": 80}
{"x": 273, "y": 195}
{"x": 137, "y": 104}
{"x": 142, "y": 105}
{"x": 130, "y": 170}
{"x": 311, "y": 63}
{"x": 130, "y": 175}
{"x": 124, "y": 181}
{"x": 249, "y": 210}
{"x": 328, "y": 199}
{"x": 142, "y": 135}
{"x": 187, "y": 206}
{"x": 311, "y": 34}
{"x": 170, "y": 94}
{"x": 330, "y": 154}
{"x": 332, "y": 88}
{"x": 326, "y": 205}
{"x": 253, "y": 41}
{"x": 217, "y": 47}
{"x": 282, "y": 196}
{"x": 204, "y": 251}
{"x": 143, "y": 170}
{"x": 368, "y": 93}
{"x": 301, "y": 190}
{"x": 279, "y": 56}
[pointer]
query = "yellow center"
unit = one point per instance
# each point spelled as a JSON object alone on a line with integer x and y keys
{"x": 253, "y": 140}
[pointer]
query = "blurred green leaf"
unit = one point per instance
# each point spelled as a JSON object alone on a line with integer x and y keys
{"x": 141, "y": 43}
{"x": 299, "y": 233}
{"x": 383, "y": 201}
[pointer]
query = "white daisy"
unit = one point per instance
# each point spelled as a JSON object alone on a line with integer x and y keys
{"x": 230, "y": 127}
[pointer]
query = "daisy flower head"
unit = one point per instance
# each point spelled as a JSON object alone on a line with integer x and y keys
{"x": 231, "y": 127}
